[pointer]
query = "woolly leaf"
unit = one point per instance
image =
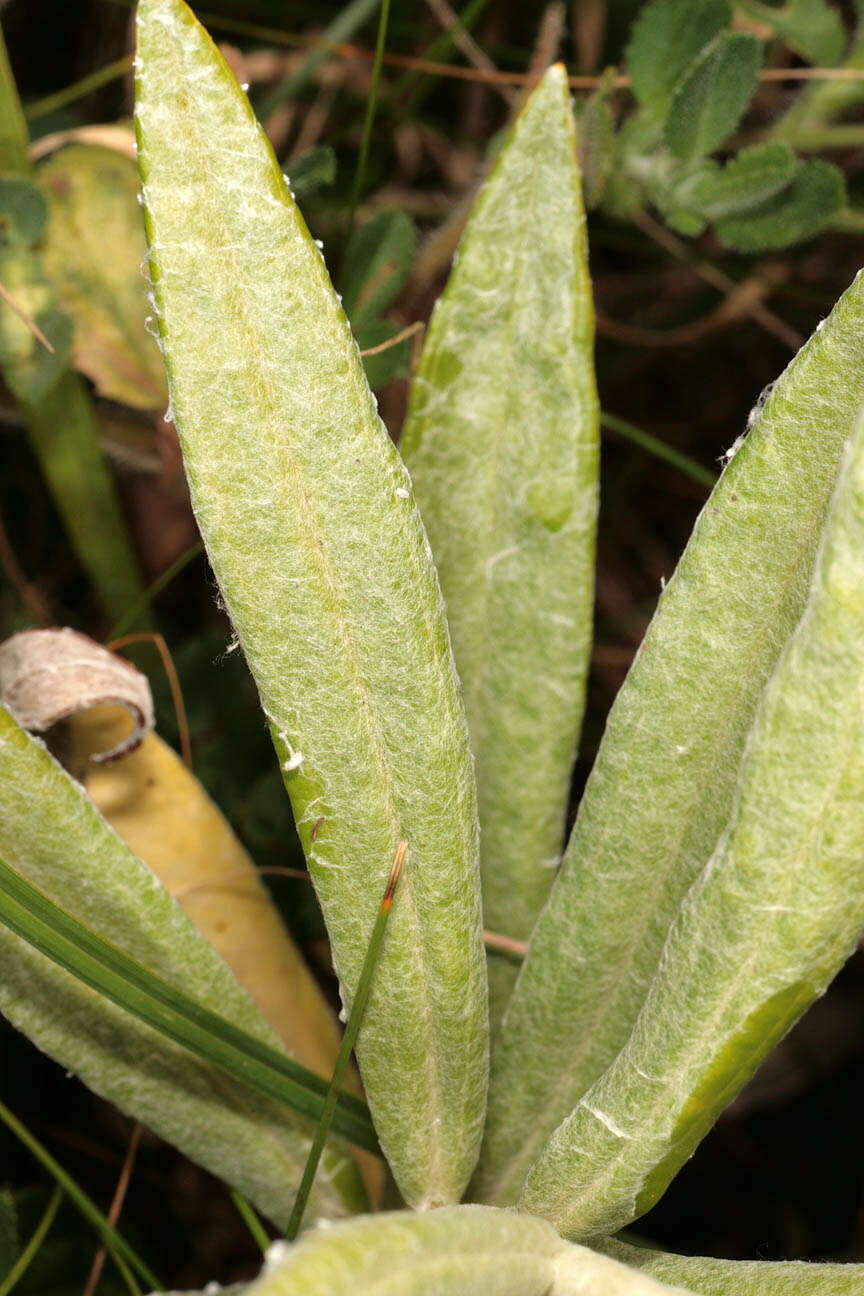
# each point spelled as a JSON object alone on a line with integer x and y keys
{"x": 596, "y": 141}
{"x": 250, "y": 1141}
{"x": 707, "y": 1277}
{"x": 816, "y": 193}
{"x": 768, "y": 923}
{"x": 461, "y": 1251}
{"x": 667, "y": 37}
{"x": 501, "y": 441}
{"x": 318, "y": 547}
{"x": 661, "y": 789}
{"x": 714, "y": 95}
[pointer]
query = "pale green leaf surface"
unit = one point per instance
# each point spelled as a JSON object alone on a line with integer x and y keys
{"x": 320, "y": 554}
{"x": 714, "y": 95}
{"x": 816, "y": 193}
{"x": 92, "y": 251}
{"x": 709, "y": 1277}
{"x": 661, "y": 789}
{"x": 501, "y": 441}
{"x": 667, "y": 37}
{"x": 460, "y": 1251}
{"x": 52, "y": 834}
{"x": 765, "y": 927}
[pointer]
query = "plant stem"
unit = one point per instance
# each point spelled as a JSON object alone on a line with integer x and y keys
{"x": 371, "y": 102}
{"x": 364, "y": 985}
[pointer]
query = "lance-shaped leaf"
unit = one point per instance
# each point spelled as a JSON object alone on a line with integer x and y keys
{"x": 661, "y": 789}
{"x": 502, "y": 445}
{"x": 714, "y": 95}
{"x": 52, "y": 834}
{"x": 708, "y": 1277}
{"x": 765, "y": 927}
{"x": 318, "y": 547}
{"x": 667, "y": 38}
{"x": 461, "y": 1251}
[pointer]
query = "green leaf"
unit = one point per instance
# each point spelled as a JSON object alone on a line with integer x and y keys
{"x": 30, "y": 369}
{"x": 460, "y": 1251}
{"x": 92, "y": 251}
{"x": 501, "y": 440}
{"x": 377, "y": 263}
{"x": 708, "y": 1277}
{"x": 812, "y": 28}
{"x": 596, "y": 142}
{"x": 765, "y": 927}
{"x": 817, "y": 192}
{"x": 753, "y": 176}
{"x": 714, "y": 95}
{"x": 312, "y": 170}
{"x": 321, "y": 557}
{"x": 248, "y": 1140}
{"x": 23, "y": 213}
{"x": 667, "y": 37}
{"x": 661, "y": 789}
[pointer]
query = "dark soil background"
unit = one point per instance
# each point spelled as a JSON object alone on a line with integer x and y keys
{"x": 782, "y": 1174}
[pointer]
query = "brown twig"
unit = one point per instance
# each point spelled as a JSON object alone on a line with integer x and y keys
{"x": 417, "y": 327}
{"x": 31, "y": 324}
{"x": 173, "y": 683}
{"x": 116, "y": 1207}
{"x": 467, "y": 45}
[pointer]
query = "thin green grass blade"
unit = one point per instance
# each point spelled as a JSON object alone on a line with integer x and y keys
{"x": 122, "y": 1253}
{"x": 659, "y": 449}
{"x": 765, "y": 927}
{"x": 501, "y": 441}
{"x": 251, "y": 1220}
{"x": 707, "y": 1277}
{"x": 369, "y": 116}
{"x": 58, "y": 936}
{"x": 351, "y": 16}
{"x": 457, "y": 1251}
{"x": 54, "y": 841}
{"x": 321, "y": 558}
{"x": 662, "y": 786}
{"x": 349, "y": 1039}
{"x": 34, "y": 1244}
{"x": 153, "y": 590}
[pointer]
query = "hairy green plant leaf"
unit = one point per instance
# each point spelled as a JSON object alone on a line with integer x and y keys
{"x": 461, "y": 1251}
{"x": 714, "y": 95}
{"x": 751, "y": 177}
{"x": 318, "y": 547}
{"x": 92, "y": 251}
{"x": 764, "y": 928}
{"x": 662, "y": 786}
{"x": 812, "y": 28}
{"x": 816, "y": 193}
{"x": 52, "y": 835}
{"x": 667, "y": 38}
{"x": 596, "y": 142}
{"x": 30, "y": 368}
{"x": 501, "y": 440}
{"x": 707, "y": 1277}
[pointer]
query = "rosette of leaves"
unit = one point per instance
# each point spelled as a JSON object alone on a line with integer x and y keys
{"x": 693, "y": 79}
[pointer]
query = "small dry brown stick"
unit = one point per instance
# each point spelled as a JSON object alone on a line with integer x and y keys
{"x": 465, "y": 42}
{"x": 550, "y": 34}
{"x": 116, "y": 1207}
{"x": 505, "y": 944}
{"x": 718, "y": 279}
{"x": 173, "y": 683}
{"x": 416, "y": 327}
{"x": 32, "y": 597}
{"x": 25, "y": 318}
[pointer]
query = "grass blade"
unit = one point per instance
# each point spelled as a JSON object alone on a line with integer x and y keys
{"x": 324, "y": 567}
{"x": 50, "y": 832}
{"x": 22, "y": 1264}
{"x": 501, "y": 442}
{"x": 352, "y": 1027}
{"x": 52, "y": 931}
{"x": 662, "y": 786}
